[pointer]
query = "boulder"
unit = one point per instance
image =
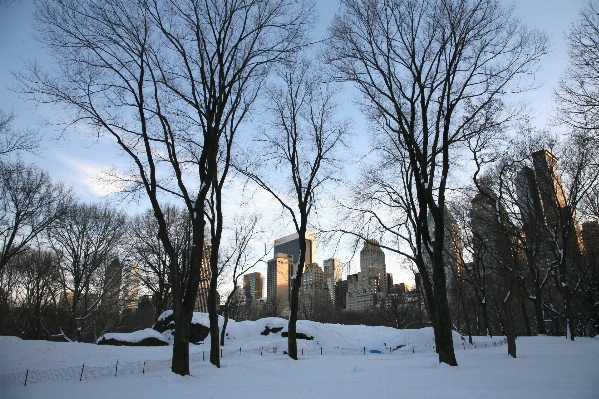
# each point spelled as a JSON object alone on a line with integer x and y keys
{"x": 197, "y": 334}
{"x": 298, "y": 335}
{"x": 163, "y": 324}
{"x": 268, "y": 330}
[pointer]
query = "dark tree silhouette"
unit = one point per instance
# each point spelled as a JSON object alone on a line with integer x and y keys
{"x": 170, "y": 82}
{"x": 432, "y": 74}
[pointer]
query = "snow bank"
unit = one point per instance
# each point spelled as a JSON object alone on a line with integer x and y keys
{"x": 547, "y": 367}
{"x": 134, "y": 337}
{"x": 8, "y": 339}
{"x": 252, "y": 334}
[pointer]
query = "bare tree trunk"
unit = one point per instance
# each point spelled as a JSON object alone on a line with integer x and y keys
{"x": 180, "y": 362}
{"x": 213, "y": 317}
{"x": 216, "y": 229}
{"x": 444, "y": 338}
{"x": 485, "y": 316}
{"x": 509, "y": 326}
{"x": 539, "y": 314}
{"x": 295, "y": 289}
{"x": 466, "y": 317}
{"x": 223, "y": 331}
{"x": 525, "y": 317}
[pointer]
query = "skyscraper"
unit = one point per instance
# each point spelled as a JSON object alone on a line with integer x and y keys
{"x": 363, "y": 294}
{"x": 332, "y": 267}
{"x": 490, "y": 243}
{"x": 550, "y": 186}
{"x": 590, "y": 236}
{"x": 280, "y": 270}
{"x": 536, "y": 236}
{"x": 201, "y": 304}
{"x": 555, "y": 207}
{"x": 529, "y": 200}
{"x": 253, "y": 284}
{"x": 290, "y": 245}
{"x": 371, "y": 285}
{"x": 132, "y": 288}
{"x": 341, "y": 291}
{"x": 112, "y": 287}
{"x": 314, "y": 296}
{"x": 372, "y": 255}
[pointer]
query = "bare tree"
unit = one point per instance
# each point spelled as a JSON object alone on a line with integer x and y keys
{"x": 542, "y": 218}
{"x": 148, "y": 252}
{"x": 432, "y": 74}
{"x": 12, "y": 141}
{"x": 237, "y": 261}
{"x": 580, "y": 165}
{"x": 171, "y": 82}
{"x": 30, "y": 313}
{"x": 29, "y": 204}
{"x": 39, "y": 271}
{"x": 9, "y": 296}
{"x": 301, "y": 144}
{"x": 577, "y": 95}
{"x": 85, "y": 241}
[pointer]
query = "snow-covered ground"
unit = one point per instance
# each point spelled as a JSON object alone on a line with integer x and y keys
{"x": 546, "y": 367}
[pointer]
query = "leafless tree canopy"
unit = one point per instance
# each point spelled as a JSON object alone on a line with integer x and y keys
{"x": 578, "y": 92}
{"x": 86, "y": 240}
{"x": 301, "y": 146}
{"x": 29, "y": 204}
{"x": 432, "y": 75}
{"x": 171, "y": 82}
{"x": 12, "y": 141}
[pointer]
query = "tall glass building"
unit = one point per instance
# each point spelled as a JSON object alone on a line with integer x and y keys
{"x": 290, "y": 245}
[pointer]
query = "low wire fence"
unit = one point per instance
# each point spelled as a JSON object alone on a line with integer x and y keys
{"x": 82, "y": 372}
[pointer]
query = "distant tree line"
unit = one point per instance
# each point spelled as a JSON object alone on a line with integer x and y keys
{"x": 74, "y": 271}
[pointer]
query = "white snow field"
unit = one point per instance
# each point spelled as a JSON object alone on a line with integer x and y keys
{"x": 546, "y": 367}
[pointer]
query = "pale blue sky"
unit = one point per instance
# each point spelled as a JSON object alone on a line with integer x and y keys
{"x": 74, "y": 158}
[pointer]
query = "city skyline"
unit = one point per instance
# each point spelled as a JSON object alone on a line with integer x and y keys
{"x": 76, "y": 158}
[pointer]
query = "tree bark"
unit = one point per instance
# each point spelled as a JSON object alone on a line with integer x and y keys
{"x": 294, "y": 300}
{"x": 525, "y": 317}
{"x": 180, "y": 362}
{"x": 444, "y": 338}
{"x": 485, "y": 315}
{"x": 539, "y": 314}
{"x": 509, "y": 327}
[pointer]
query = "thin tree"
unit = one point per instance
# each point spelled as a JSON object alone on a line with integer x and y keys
{"x": 170, "y": 82}
{"x": 12, "y": 141}
{"x": 300, "y": 143}
{"x": 239, "y": 260}
{"x": 148, "y": 252}
{"x": 577, "y": 96}
{"x": 580, "y": 165}
{"x": 432, "y": 74}
{"x": 29, "y": 204}
{"x": 39, "y": 277}
{"x": 85, "y": 240}
{"x": 35, "y": 288}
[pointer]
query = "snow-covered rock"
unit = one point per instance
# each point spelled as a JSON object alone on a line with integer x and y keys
{"x": 147, "y": 337}
{"x": 199, "y": 327}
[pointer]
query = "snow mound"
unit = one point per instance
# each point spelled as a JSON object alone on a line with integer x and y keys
{"x": 272, "y": 332}
{"x": 8, "y": 339}
{"x": 147, "y": 337}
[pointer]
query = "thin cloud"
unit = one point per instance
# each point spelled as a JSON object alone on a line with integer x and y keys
{"x": 100, "y": 179}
